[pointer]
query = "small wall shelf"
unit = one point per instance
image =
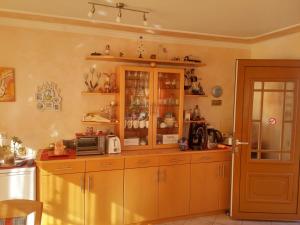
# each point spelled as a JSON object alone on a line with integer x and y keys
{"x": 91, "y": 123}
{"x": 97, "y": 93}
{"x": 191, "y": 95}
{"x": 192, "y": 121}
{"x": 145, "y": 61}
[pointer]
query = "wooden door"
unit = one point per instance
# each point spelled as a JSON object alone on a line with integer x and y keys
{"x": 63, "y": 199}
{"x": 174, "y": 183}
{"x": 205, "y": 187}
{"x": 136, "y": 107}
{"x": 267, "y": 125}
{"x": 104, "y": 198}
{"x": 140, "y": 195}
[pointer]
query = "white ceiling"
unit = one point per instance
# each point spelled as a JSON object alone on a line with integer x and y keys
{"x": 239, "y": 18}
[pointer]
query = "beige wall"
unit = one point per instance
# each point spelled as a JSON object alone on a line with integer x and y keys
{"x": 287, "y": 47}
{"x": 43, "y": 55}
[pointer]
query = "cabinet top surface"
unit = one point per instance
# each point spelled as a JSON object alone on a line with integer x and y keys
{"x": 137, "y": 153}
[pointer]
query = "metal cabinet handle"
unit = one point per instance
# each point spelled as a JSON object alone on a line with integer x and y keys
{"x": 237, "y": 143}
{"x": 89, "y": 183}
{"x": 82, "y": 183}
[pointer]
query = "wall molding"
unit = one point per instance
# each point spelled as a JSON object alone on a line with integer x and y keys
{"x": 145, "y": 31}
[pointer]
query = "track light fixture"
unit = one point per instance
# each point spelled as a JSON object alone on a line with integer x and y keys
{"x": 145, "y": 20}
{"x": 92, "y": 11}
{"x": 118, "y": 19}
{"x": 120, "y": 6}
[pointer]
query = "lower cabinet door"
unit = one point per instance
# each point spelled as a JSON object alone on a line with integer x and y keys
{"x": 205, "y": 182}
{"x": 140, "y": 195}
{"x": 225, "y": 181}
{"x": 63, "y": 199}
{"x": 174, "y": 183}
{"x": 104, "y": 198}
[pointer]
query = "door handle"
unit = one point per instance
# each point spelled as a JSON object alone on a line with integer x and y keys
{"x": 237, "y": 143}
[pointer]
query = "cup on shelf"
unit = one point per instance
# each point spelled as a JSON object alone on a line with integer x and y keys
{"x": 142, "y": 123}
{"x": 135, "y": 124}
{"x": 129, "y": 123}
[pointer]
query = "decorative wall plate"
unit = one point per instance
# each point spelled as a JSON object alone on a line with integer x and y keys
{"x": 217, "y": 91}
{"x": 48, "y": 97}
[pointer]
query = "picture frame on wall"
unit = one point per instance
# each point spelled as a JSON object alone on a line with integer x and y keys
{"x": 7, "y": 84}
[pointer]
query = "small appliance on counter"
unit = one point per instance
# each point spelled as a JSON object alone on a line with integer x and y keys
{"x": 113, "y": 144}
{"x": 214, "y": 137}
{"x": 90, "y": 144}
{"x": 197, "y": 136}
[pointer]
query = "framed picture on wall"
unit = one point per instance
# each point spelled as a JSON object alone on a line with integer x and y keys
{"x": 7, "y": 84}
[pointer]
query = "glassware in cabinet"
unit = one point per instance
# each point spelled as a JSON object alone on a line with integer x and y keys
{"x": 136, "y": 107}
{"x": 168, "y": 102}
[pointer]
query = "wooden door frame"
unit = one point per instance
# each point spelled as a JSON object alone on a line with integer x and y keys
{"x": 241, "y": 65}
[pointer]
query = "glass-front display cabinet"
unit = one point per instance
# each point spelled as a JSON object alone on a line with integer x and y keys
{"x": 151, "y": 107}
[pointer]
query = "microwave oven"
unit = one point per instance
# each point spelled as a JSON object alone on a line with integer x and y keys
{"x": 90, "y": 145}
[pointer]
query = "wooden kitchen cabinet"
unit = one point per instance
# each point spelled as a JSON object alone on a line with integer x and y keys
{"x": 104, "y": 198}
{"x": 63, "y": 198}
{"x": 210, "y": 186}
{"x": 174, "y": 183}
{"x": 140, "y": 194}
{"x": 151, "y": 107}
{"x": 224, "y": 201}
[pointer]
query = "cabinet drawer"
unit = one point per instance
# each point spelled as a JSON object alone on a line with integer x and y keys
{"x": 211, "y": 157}
{"x": 174, "y": 159}
{"x": 141, "y": 161}
{"x": 61, "y": 167}
{"x": 104, "y": 164}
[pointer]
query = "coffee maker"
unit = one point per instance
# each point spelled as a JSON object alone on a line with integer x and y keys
{"x": 198, "y": 136}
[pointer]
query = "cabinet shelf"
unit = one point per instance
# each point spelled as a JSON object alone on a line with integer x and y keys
{"x": 92, "y": 123}
{"x": 144, "y": 61}
{"x": 194, "y": 121}
{"x": 191, "y": 95}
{"x": 98, "y": 93}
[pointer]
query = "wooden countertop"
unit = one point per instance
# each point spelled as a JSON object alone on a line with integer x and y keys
{"x": 137, "y": 153}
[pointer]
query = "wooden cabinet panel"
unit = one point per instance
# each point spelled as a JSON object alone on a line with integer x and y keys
{"x": 224, "y": 185}
{"x": 61, "y": 167}
{"x": 104, "y": 164}
{"x": 104, "y": 198}
{"x": 140, "y": 194}
{"x": 63, "y": 198}
{"x": 217, "y": 156}
{"x": 174, "y": 183}
{"x": 204, "y": 187}
{"x": 174, "y": 159}
{"x": 141, "y": 161}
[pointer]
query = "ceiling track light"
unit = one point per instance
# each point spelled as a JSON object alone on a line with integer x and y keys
{"x": 118, "y": 19}
{"x": 145, "y": 22}
{"x": 92, "y": 11}
{"x": 120, "y": 6}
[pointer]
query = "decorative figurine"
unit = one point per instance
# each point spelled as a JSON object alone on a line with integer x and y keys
{"x": 121, "y": 54}
{"x": 89, "y": 79}
{"x": 196, "y": 114}
{"x": 183, "y": 144}
{"x": 107, "y": 50}
{"x": 140, "y": 49}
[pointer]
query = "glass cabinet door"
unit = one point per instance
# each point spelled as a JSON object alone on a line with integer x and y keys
{"x": 168, "y": 107}
{"x": 136, "y": 122}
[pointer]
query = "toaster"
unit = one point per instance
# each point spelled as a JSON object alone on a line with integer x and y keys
{"x": 113, "y": 144}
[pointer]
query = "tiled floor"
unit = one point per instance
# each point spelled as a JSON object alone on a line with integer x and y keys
{"x": 222, "y": 219}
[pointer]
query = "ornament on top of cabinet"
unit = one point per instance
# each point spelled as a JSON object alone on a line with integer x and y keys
{"x": 7, "y": 84}
{"x": 91, "y": 79}
{"x": 107, "y": 50}
{"x": 140, "y": 48}
{"x": 162, "y": 52}
{"x": 48, "y": 97}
